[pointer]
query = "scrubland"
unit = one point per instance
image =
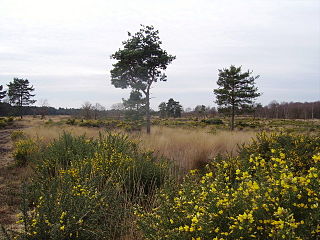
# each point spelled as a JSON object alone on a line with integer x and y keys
{"x": 186, "y": 180}
{"x": 188, "y": 148}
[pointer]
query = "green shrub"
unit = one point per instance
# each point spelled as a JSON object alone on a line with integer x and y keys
{"x": 17, "y": 135}
{"x": 85, "y": 188}
{"x": 71, "y": 121}
{"x": 25, "y": 151}
{"x": 50, "y": 121}
{"x": 213, "y": 121}
{"x": 3, "y": 123}
{"x": 299, "y": 149}
{"x": 10, "y": 119}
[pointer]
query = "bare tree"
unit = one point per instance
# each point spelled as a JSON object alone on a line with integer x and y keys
{"x": 87, "y": 110}
{"x": 44, "y": 105}
{"x": 118, "y": 109}
{"x": 96, "y": 109}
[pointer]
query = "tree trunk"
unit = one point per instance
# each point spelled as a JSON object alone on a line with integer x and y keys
{"x": 232, "y": 115}
{"x": 148, "y": 110}
{"x": 20, "y": 106}
{"x": 233, "y": 106}
{"x": 232, "y": 119}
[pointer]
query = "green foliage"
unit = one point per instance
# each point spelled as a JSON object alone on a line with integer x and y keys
{"x": 140, "y": 63}
{"x": 128, "y": 125}
{"x": 298, "y": 150}
{"x": 25, "y": 150}
{"x": 19, "y": 93}
{"x": 4, "y": 122}
{"x": 85, "y": 188}
{"x": 135, "y": 106}
{"x": 141, "y": 53}
{"x": 71, "y": 121}
{"x": 49, "y": 122}
{"x": 254, "y": 196}
{"x": 212, "y": 121}
{"x": 173, "y": 108}
{"x": 17, "y": 135}
{"x": 10, "y": 119}
{"x": 170, "y": 109}
{"x": 236, "y": 91}
{"x": 162, "y": 110}
{"x": 2, "y": 93}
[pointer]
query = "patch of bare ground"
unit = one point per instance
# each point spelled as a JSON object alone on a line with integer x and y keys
{"x": 11, "y": 179}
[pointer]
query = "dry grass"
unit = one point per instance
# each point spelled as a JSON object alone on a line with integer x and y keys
{"x": 189, "y": 148}
{"x": 36, "y": 128}
{"x": 193, "y": 148}
{"x": 48, "y": 133}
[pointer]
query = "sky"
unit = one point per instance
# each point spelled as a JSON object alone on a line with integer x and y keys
{"x": 63, "y": 47}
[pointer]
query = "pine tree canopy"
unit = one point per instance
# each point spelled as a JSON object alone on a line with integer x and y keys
{"x": 20, "y": 92}
{"x": 236, "y": 90}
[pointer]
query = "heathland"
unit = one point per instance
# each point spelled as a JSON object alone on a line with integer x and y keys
{"x": 66, "y": 178}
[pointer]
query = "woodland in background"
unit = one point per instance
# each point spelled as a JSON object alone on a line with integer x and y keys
{"x": 284, "y": 110}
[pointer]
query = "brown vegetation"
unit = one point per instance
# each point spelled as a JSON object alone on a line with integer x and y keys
{"x": 11, "y": 179}
{"x": 188, "y": 148}
{"x": 193, "y": 148}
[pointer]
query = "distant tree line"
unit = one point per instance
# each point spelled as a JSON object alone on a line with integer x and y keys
{"x": 274, "y": 110}
{"x": 6, "y": 109}
{"x": 289, "y": 110}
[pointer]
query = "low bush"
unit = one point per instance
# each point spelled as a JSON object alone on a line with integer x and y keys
{"x": 71, "y": 121}
{"x": 17, "y": 135}
{"x": 49, "y": 122}
{"x": 25, "y": 150}
{"x": 212, "y": 121}
{"x": 85, "y": 188}
{"x": 128, "y": 126}
{"x": 4, "y": 122}
{"x": 298, "y": 149}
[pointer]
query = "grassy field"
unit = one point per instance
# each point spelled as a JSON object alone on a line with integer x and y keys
{"x": 188, "y": 179}
{"x": 187, "y": 147}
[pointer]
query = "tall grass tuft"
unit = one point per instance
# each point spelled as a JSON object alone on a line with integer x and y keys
{"x": 193, "y": 148}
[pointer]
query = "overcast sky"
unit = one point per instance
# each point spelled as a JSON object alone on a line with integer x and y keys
{"x": 63, "y": 47}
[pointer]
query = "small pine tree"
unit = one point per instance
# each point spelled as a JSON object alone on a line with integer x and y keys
{"x": 163, "y": 110}
{"x": 173, "y": 109}
{"x": 236, "y": 92}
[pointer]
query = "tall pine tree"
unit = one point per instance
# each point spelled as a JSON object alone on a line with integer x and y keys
{"x": 19, "y": 93}
{"x": 141, "y": 63}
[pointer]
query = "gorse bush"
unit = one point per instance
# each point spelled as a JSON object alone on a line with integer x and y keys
{"x": 17, "y": 135}
{"x": 25, "y": 150}
{"x": 261, "y": 194}
{"x": 4, "y": 122}
{"x": 85, "y": 188}
{"x": 298, "y": 149}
